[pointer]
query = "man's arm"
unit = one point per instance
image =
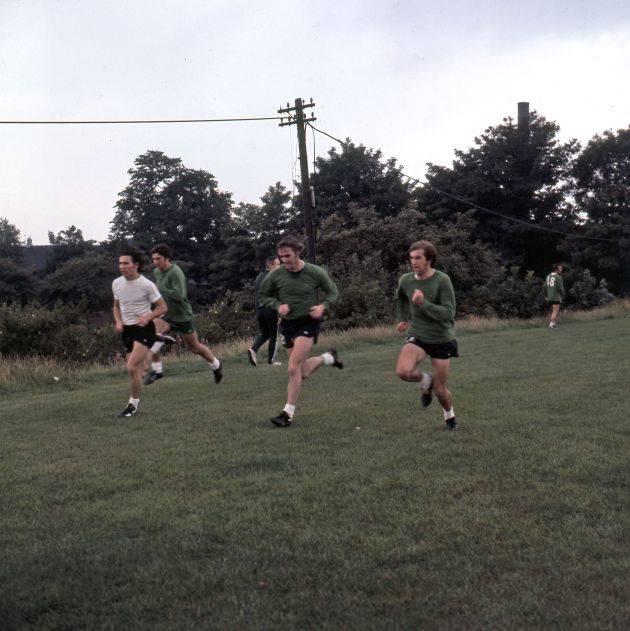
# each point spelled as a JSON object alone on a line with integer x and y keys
{"x": 401, "y": 303}
{"x": 445, "y": 310}
{"x": 176, "y": 292}
{"x": 118, "y": 323}
{"x": 159, "y": 309}
{"x": 267, "y": 293}
{"x": 561, "y": 290}
{"x": 330, "y": 289}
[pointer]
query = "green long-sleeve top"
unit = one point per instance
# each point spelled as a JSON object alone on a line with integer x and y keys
{"x": 300, "y": 290}
{"x": 434, "y": 320}
{"x": 172, "y": 285}
{"x": 554, "y": 288}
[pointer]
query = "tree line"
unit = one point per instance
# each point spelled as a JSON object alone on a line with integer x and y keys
{"x": 556, "y": 201}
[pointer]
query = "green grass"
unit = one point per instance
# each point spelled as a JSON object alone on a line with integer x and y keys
{"x": 198, "y": 514}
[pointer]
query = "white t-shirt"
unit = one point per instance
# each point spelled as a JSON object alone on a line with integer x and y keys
{"x": 135, "y": 297}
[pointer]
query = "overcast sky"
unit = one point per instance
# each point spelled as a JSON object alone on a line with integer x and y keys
{"x": 414, "y": 79}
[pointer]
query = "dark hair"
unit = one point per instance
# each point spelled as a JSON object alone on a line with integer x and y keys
{"x": 428, "y": 248}
{"x": 163, "y": 250}
{"x": 291, "y": 242}
{"x": 137, "y": 256}
{"x": 271, "y": 259}
{"x": 556, "y": 266}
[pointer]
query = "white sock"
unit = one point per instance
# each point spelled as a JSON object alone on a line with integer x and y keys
{"x": 329, "y": 360}
{"x": 552, "y": 325}
{"x": 157, "y": 347}
{"x": 215, "y": 365}
{"x": 157, "y": 367}
{"x": 449, "y": 414}
{"x": 134, "y": 402}
{"x": 426, "y": 381}
{"x": 289, "y": 409}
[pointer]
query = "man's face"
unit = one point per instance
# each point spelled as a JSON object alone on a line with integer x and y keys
{"x": 419, "y": 262}
{"x": 127, "y": 267}
{"x": 560, "y": 269}
{"x": 289, "y": 258}
{"x": 161, "y": 262}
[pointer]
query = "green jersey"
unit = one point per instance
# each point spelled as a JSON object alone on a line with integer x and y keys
{"x": 300, "y": 290}
{"x": 172, "y": 286}
{"x": 434, "y": 320}
{"x": 554, "y": 288}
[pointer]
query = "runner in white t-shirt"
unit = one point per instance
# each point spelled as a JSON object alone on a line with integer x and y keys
{"x": 137, "y": 302}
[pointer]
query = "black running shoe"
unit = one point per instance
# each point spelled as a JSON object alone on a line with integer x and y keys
{"x": 251, "y": 356}
{"x": 336, "y": 363}
{"x": 452, "y": 424}
{"x": 218, "y": 373}
{"x": 166, "y": 338}
{"x": 427, "y": 396}
{"x": 152, "y": 376}
{"x": 282, "y": 420}
{"x": 130, "y": 410}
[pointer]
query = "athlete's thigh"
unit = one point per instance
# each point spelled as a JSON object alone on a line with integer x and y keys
{"x": 441, "y": 370}
{"x": 301, "y": 350}
{"x": 138, "y": 354}
{"x": 409, "y": 357}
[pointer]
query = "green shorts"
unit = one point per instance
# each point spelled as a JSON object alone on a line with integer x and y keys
{"x": 185, "y": 327}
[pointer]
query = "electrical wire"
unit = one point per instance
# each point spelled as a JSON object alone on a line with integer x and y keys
{"x": 147, "y": 121}
{"x": 482, "y": 208}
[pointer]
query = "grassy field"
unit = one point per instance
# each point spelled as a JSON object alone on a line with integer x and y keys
{"x": 197, "y": 513}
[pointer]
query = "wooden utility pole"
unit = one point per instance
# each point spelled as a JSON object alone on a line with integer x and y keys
{"x": 523, "y": 118}
{"x": 308, "y": 193}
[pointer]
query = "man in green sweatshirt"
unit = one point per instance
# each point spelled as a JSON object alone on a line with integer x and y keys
{"x": 171, "y": 282}
{"x": 425, "y": 310}
{"x": 554, "y": 292}
{"x": 300, "y": 292}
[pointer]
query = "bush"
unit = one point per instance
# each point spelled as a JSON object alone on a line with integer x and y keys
{"x": 61, "y": 333}
{"x": 588, "y": 293}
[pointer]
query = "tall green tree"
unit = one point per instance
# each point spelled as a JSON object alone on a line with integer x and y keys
{"x": 167, "y": 202}
{"x": 602, "y": 197}
{"x": 519, "y": 173}
{"x": 10, "y": 246}
{"x": 358, "y": 175}
{"x": 268, "y": 222}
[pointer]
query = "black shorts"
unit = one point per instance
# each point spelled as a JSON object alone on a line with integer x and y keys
{"x": 300, "y": 327}
{"x": 133, "y": 333}
{"x": 435, "y": 350}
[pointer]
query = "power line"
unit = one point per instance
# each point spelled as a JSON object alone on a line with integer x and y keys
{"x": 482, "y": 208}
{"x": 145, "y": 122}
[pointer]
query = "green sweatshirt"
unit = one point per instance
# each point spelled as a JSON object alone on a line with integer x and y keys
{"x": 554, "y": 288}
{"x": 172, "y": 285}
{"x": 300, "y": 290}
{"x": 433, "y": 321}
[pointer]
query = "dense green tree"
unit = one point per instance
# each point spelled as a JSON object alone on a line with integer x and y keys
{"x": 357, "y": 175}
{"x": 10, "y": 246}
{"x": 167, "y": 202}
{"x": 519, "y": 173}
{"x": 17, "y": 284}
{"x": 268, "y": 222}
{"x": 86, "y": 279}
{"x": 602, "y": 197}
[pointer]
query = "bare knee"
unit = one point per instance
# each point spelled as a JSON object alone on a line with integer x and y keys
{"x": 405, "y": 374}
{"x": 295, "y": 370}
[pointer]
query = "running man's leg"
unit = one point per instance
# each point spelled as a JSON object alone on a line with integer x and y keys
{"x": 407, "y": 365}
{"x": 153, "y": 364}
{"x": 441, "y": 371}
{"x": 263, "y": 336}
{"x": 135, "y": 367}
{"x": 298, "y": 358}
{"x": 555, "y": 311}
{"x": 195, "y": 346}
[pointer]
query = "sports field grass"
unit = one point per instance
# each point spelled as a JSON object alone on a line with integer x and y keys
{"x": 197, "y": 513}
